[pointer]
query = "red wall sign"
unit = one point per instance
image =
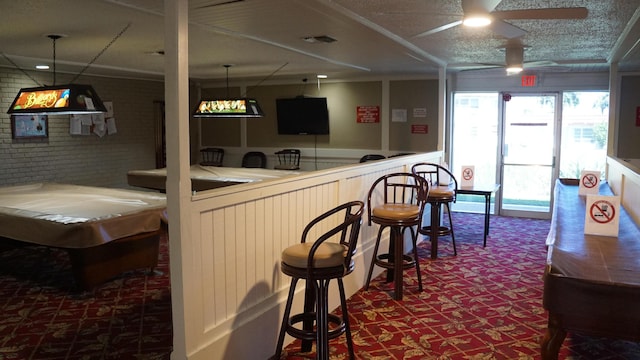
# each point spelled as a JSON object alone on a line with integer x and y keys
{"x": 368, "y": 114}
{"x": 420, "y": 129}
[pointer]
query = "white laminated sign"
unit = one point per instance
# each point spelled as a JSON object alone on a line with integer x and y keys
{"x": 589, "y": 182}
{"x": 467, "y": 175}
{"x": 602, "y": 215}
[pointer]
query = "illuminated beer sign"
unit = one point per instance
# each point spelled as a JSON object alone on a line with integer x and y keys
{"x": 58, "y": 99}
{"x": 241, "y": 107}
{"x": 42, "y": 99}
{"x": 222, "y": 106}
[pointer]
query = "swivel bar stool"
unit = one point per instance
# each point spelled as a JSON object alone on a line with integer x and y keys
{"x": 396, "y": 201}
{"x": 442, "y": 191}
{"x": 327, "y": 257}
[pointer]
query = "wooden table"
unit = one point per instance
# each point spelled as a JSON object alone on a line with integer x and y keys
{"x": 486, "y": 191}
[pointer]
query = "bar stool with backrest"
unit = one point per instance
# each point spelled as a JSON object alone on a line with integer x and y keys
{"x": 396, "y": 201}
{"x": 442, "y": 191}
{"x": 321, "y": 256}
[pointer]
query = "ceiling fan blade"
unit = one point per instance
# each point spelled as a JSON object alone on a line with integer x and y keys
{"x": 475, "y": 5}
{"x": 541, "y": 63}
{"x": 507, "y": 30}
{"x": 583, "y": 62}
{"x": 438, "y": 29}
{"x": 472, "y": 66}
{"x": 543, "y": 14}
{"x": 219, "y": 4}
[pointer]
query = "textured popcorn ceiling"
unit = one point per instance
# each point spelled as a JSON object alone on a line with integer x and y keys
{"x": 262, "y": 37}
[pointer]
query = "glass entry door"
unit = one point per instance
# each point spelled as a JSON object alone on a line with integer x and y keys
{"x": 529, "y": 150}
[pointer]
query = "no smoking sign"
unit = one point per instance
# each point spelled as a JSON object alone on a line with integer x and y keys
{"x": 467, "y": 172}
{"x": 602, "y": 211}
{"x": 602, "y": 215}
{"x": 589, "y": 182}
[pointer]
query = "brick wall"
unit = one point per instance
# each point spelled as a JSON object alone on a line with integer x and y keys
{"x": 81, "y": 159}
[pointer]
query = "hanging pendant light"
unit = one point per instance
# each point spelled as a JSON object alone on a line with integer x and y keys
{"x": 57, "y": 99}
{"x": 228, "y": 107}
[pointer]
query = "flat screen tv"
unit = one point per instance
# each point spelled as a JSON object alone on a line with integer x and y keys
{"x": 302, "y": 116}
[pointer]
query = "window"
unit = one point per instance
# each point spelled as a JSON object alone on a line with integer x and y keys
{"x": 585, "y": 119}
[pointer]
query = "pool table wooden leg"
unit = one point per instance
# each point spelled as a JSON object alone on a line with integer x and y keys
{"x": 553, "y": 338}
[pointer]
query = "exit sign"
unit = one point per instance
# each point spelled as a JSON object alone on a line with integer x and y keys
{"x": 528, "y": 80}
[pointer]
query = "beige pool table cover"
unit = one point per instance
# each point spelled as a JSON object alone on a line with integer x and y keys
{"x": 74, "y": 216}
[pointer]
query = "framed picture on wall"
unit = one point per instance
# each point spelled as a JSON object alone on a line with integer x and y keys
{"x": 29, "y": 126}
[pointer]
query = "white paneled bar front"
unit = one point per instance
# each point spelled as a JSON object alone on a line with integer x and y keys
{"x": 238, "y": 234}
{"x": 623, "y": 176}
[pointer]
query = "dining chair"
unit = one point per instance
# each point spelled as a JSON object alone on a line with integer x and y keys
{"x": 254, "y": 159}
{"x": 371, "y": 157}
{"x": 212, "y": 156}
{"x": 288, "y": 159}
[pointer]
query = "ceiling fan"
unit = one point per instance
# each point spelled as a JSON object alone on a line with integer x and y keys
{"x": 472, "y": 9}
{"x": 527, "y": 66}
{"x": 514, "y": 61}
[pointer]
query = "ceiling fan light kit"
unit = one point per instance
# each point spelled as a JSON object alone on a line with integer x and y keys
{"x": 498, "y": 20}
{"x": 514, "y": 57}
{"x": 514, "y": 69}
{"x": 477, "y": 20}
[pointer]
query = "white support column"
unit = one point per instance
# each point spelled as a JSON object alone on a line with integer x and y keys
{"x": 442, "y": 108}
{"x": 384, "y": 116}
{"x": 614, "y": 91}
{"x": 243, "y": 123}
{"x": 178, "y": 180}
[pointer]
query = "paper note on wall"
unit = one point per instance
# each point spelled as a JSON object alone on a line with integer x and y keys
{"x": 398, "y": 115}
{"x": 111, "y": 126}
{"x": 80, "y": 124}
{"x": 99, "y": 127}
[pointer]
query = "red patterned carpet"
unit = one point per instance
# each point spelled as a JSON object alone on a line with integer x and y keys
{"x": 483, "y": 304}
{"x": 43, "y": 317}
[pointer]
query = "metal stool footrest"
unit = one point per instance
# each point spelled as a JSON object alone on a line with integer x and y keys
{"x": 442, "y": 230}
{"x": 386, "y": 261}
{"x": 338, "y": 329}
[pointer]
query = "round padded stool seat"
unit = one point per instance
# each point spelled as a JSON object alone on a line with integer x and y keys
{"x": 396, "y": 211}
{"x": 442, "y": 193}
{"x": 328, "y": 255}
